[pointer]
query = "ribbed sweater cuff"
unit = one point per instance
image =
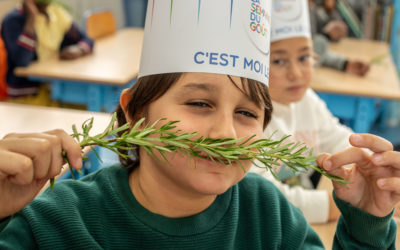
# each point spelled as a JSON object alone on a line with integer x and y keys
{"x": 365, "y": 227}
{"x": 344, "y": 66}
{"x": 27, "y": 40}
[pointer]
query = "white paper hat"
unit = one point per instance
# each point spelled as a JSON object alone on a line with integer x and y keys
{"x": 290, "y": 18}
{"x": 229, "y": 37}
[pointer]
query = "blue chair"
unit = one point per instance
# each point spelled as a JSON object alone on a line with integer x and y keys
{"x": 92, "y": 164}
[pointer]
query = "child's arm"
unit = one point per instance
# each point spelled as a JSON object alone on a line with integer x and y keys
{"x": 326, "y": 57}
{"x": 20, "y": 44}
{"x": 356, "y": 67}
{"x": 27, "y": 162}
{"x": 368, "y": 202}
{"x": 75, "y": 44}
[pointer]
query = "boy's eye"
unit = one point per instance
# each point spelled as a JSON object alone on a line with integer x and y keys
{"x": 199, "y": 104}
{"x": 305, "y": 58}
{"x": 247, "y": 113}
{"x": 279, "y": 62}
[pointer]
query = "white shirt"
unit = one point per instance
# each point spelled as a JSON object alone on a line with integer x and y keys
{"x": 308, "y": 121}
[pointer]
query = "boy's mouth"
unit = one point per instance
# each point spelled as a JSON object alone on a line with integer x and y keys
{"x": 295, "y": 88}
{"x": 215, "y": 159}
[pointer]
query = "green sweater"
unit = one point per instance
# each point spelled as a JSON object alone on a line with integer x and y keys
{"x": 100, "y": 212}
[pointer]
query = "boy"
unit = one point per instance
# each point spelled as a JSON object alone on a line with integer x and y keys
{"x": 39, "y": 30}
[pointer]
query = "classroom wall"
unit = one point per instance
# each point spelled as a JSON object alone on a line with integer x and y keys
{"x": 80, "y": 6}
{"x": 6, "y": 6}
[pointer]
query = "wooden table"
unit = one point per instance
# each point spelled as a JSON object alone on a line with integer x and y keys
{"x": 95, "y": 80}
{"x": 26, "y": 119}
{"x": 356, "y": 98}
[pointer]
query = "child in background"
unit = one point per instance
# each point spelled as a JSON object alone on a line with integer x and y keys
{"x": 298, "y": 111}
{"x": 191, "y": 204}
{"x": 324, "y": 30}
{"x": 329, "y": 21}
{"x": 39, "y": 30}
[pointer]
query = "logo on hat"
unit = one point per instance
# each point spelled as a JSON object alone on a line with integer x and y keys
{"x": 287, "y": 10}
{"x": 257, "y": 21}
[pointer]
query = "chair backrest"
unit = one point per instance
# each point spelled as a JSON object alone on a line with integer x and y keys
{"x": 99, "y": 24}
{"x": 3, "y": 70}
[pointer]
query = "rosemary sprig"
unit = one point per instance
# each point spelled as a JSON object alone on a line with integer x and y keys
{"x": 263, "y": 153}
{"x": 378, "y": 59}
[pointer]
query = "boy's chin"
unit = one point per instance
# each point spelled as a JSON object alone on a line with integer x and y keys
{"x": 215, "y": 186}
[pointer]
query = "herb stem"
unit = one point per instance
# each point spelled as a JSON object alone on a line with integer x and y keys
{"x": 265, "y": 153}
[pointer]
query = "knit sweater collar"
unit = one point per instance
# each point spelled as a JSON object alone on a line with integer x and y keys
{"x": 191, "y": 225}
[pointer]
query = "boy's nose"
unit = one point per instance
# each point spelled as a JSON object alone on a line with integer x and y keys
{"x": 223, "y": 127}
{"x": 294, "y": 71}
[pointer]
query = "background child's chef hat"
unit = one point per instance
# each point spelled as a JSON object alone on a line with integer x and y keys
{"x": 229, "y": 37}
{"x": 290, "y": 18}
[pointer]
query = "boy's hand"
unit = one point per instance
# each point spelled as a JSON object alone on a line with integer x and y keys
{"x": 357, "y": 67}
{"x": 71, "y": 52}
{"x": 375, "y": 178}
{"x": 28, "y": 161}
{"x": 336, "y": 30}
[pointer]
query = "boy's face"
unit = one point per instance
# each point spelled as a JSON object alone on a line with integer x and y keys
{"x": 330, "y": 5}
{"x": 213, "y": 106}
{"x": 291, "y": 69}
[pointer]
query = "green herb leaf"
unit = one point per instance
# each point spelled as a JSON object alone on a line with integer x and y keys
{"x": 265, "y": 153}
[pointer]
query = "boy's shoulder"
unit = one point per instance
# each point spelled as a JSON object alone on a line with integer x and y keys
{"x": 94, "y": 184}
{"x": 85, "y": 193}
{"x": 310, "y": 96}
{"x": 15, "y": 17}
{"x": 310, "y": 101}
{"x": 16, "y": 13}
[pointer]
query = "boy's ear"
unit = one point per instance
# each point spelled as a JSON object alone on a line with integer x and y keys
{"x": 124, "y": 101}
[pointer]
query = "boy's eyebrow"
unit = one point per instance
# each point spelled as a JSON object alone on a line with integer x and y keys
{"x": 282, "y": 51}
{"x": 279, "y": 51}
{"x": 305, "y": 48}
{"x": 200, "y": 86}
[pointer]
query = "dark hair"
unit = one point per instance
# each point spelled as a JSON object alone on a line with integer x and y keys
{"x": 149, "y": 88}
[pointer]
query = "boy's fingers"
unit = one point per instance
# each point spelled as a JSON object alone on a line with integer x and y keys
{"x": 322, "y": 158}
{"x": 70, "y": 146}
{"x": 41, "y": 158}
{"x": 374, "y": 143}
{"x": 56, "y": 156}
{"x": 18, "y": 168}
{"x": 345, "y": 157}
{"x": 58, "y": 140}
{"x": 389, "y": 158}
{"x": 37, "y": 149}
{"x": 390, "y": 184}
{"x": 44, "y": 149}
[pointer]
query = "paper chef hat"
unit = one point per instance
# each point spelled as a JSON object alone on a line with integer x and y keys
{"x": 290, "y": 18}
{"x": 229, "y": 37}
